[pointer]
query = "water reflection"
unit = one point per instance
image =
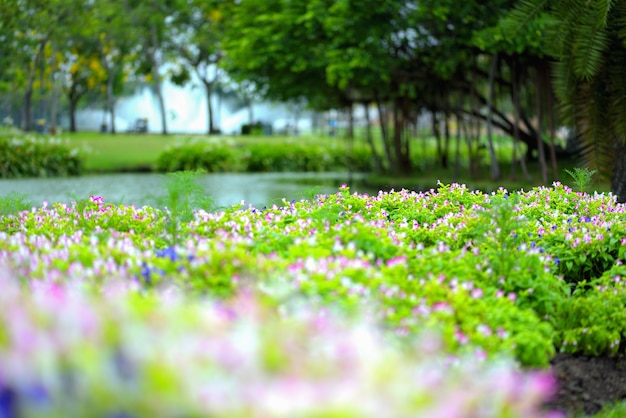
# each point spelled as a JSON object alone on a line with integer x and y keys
{"x": 258, "y": 189}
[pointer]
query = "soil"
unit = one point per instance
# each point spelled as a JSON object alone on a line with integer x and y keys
{"x": 586, "y": 384}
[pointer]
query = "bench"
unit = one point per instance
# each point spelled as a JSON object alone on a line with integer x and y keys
{"x": 140, "y": 126}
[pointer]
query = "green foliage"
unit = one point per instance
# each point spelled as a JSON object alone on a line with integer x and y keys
{"x": 34, "y": 157}
{"x": 13, "y": 203}
{"x": 183, "y": 196}
{"x": 198, "y": 156}
{"x": 586, "y": 38}
{"x": 263, "y": 158}
{"x": 581, "y": 177}
{"x": 615, "y": 409}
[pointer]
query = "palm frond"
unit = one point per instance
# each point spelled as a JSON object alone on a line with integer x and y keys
{"x": 601, "y": 10}
{"x": 524, "y": 12}
{"x": 590, "y": 45}
{"x": 617, "y": 20}
{"x": 616, "y": 90}
{"x": 597, "y": 138}
{"x": 563, "y": 80}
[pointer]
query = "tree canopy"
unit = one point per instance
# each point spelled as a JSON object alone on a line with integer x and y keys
{"x": 470, "y": 64}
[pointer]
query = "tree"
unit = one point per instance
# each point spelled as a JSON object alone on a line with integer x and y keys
{"x": 113, "y": 38}
{"x": 589, "y": 40}
{"x": 41, "y": 38}
{"x": 152, "y": 21}
{"x": 32, "y": 27}
{"x": 197, "y": 31}
{"x": 278, "y": 46}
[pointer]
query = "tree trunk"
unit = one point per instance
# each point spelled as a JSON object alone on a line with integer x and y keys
{"x": 551, "y": 123}
{"x": 528, "y": 136}
{"x": 434, "y": 120}
{"x": 457, "y": 150}
{"x": 156, "y": 77}
{"x": 618, "y": 178}
{"x": 406, "y": 135}
{"x": 516, "y": 118}
{"x": 382, "y": 117}
{"x": 370, "y": 139}
{"x": 541, "y": 150}
{"x": 495, "y": 167}
{"x": 403, "y": 163}
{"x": 474, "y": 132}
{"x": 53, "y": 93}
{"x": 73, "y": 116}
{"x": 111, "y": 99}
{"x": 350, "y": 111}
{"x": 446, "y": 136}
{"x": 208, "y": 88}
{"x": 28, "y": 108}
{"x": 73, "y": 97}
{"x": 28, "y": 94}
{"x": 250, "y": 110}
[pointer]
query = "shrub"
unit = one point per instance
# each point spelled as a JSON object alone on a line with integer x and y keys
{"x": 38, "y": 157}
{"x": 263, "y": 158}
{"x": 298, "y": 157}
{"x": 212, "y": 158}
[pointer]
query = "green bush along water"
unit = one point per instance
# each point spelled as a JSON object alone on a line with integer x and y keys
{"x": 26, "y": 156}
{"x": 266, "y": 157}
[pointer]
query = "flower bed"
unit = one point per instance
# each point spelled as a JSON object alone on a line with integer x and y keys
{"x": 346, "y": 304}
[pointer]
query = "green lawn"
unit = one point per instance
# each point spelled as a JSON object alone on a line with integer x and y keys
{"x": 121, "y": 152}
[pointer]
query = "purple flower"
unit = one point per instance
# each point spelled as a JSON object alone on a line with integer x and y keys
{"x": 37, "y": 394}
{"x": 8, "y": 402}
{"x": 169, "y": 252}
{"x": 145, "y": 272}
{"x": 119, "y": 414}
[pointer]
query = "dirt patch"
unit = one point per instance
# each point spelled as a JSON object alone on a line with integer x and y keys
{"x": 585, "y": 383}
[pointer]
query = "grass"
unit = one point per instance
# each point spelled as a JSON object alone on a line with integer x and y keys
{"x": 138, "y": 152}
{"x": 121, "y": 152}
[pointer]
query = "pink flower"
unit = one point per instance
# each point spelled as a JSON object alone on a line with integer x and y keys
{"x": 395, "y": 261}
{"x": 484, "y": 330}
{"x": 442, "y": 307}
{"x": 460, "y": 337}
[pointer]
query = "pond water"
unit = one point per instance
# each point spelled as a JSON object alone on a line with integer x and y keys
{"x": 139, "y": 189}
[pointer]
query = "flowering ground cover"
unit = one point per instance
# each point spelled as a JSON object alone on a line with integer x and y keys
{"x": 443, "y": 303}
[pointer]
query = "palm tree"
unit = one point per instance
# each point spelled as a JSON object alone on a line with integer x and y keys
{"x": 588, "y": 40}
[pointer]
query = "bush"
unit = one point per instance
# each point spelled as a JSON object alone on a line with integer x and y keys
{"x": 213, "y": 158}
{"x": 263, "y": 158}
{"x": 37, "y": 157}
